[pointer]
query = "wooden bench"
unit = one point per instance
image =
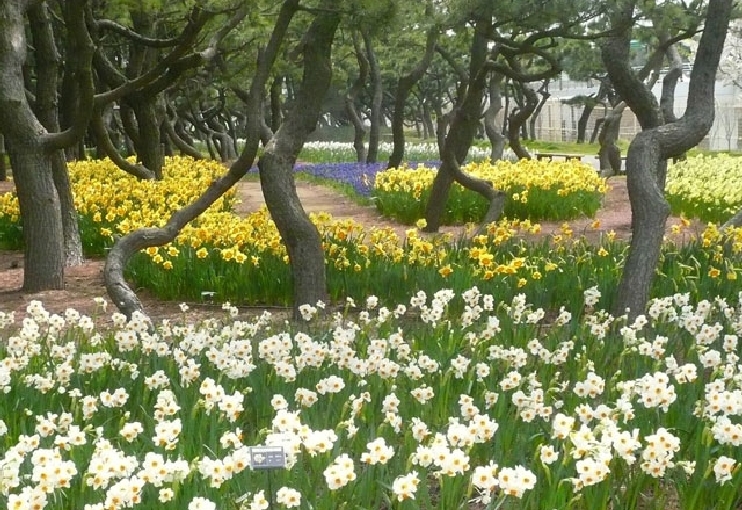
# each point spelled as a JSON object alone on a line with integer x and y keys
{"x": 551, "y": 155}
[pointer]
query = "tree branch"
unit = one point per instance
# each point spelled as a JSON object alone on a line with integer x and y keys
{"x": 112, "y": 26}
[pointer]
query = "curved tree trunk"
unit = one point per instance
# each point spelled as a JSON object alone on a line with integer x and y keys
{"x": 118, "y": 289}
{"x": 650, "y": 149}
{"x": 517, "y": 120}
{"x": 104, "y": 143}
{"x": 404, "y": 87}
{"x": 459, "y": 138}
{"x": 609, "y": 154}
{"x": 183, "y": 146}
{"x": 276, "y": 165}
{"x": 129, "y": 123}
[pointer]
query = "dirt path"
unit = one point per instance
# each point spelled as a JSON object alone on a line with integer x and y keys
{"x": 615, "y": 214}
{"x": 83, "y": 283}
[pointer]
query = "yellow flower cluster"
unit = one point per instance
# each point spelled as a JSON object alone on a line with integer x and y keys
{"x": 516, "y": 178}
{"x": 713, "y": 181}
{"x": 117, "y": 199}
{"x": 119, "y": 202}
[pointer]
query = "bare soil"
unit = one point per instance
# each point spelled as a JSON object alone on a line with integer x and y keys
{"x": 84, "y": 283}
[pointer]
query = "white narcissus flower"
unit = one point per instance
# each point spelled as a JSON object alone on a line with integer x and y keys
{"x": 290, "y": 498}
{"x": 199, "y": 503}
{"x": 405, "y": 486}
{"x": 723, "y": 468}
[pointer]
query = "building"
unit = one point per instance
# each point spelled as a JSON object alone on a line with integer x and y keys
{"x": 558, "y": 120}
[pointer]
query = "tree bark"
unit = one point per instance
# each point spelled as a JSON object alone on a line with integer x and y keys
{"x": 491, "y": 128}
{"x": 276, "y": 165}
{"x": 118, "y": 289}
{"x": 650, "y": 149}
{"x": 733, "y": 222}
{"x": 147, "y": 143}
{"x": 583, "y": 120}
{"x": 276, "y": 107}
{"x": 596, "y": 129}
{"x": 47, "y": 70}
{"x": 375, "y": 117}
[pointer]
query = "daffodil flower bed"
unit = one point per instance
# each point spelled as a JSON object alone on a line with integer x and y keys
{"x": 537, "y": 191}
{"x": 111, "y": 202}
{"x": 243, "y": 260}
{"x": 411, "y": 406}
{"x": 706, "y": 187}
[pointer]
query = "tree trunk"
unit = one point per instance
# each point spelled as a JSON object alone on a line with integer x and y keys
{"x": 491, "y": 129}
{"x": 129, "y": 123}
{"x": 517, "y": 120}
{"x": 429, "y": 127}
{"x": 41, "y": 213}
{"x": 359, "y": 131}
{"x": 460, "y": 135}
{"x": 183, "y": 146}
{"x": 544, "y": 91}
{"x": 47, "y": 70}
{"x": 276, "y": 165}
{"x": 69, "y": 99}
{"x": 650, "y": 149}
{"x": 404, "y": 87}
{"x": 375, "y": 117}
{"x": 609, "y": 154}
{"x": 441, "y": 127}
{"x": 32, "y": 147}
{"x": 583, "y": 120}
{"x": 276, "y": 110}
{"x": 3, "y": 154}
{"x": 73, "y": 250}
{"x": 147, "y": 143}
{"x": 733, "y": 222}
{"x": 596, "y": 129}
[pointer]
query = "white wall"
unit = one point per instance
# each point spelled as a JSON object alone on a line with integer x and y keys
{"x": 558, "y": 121}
